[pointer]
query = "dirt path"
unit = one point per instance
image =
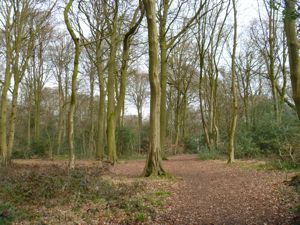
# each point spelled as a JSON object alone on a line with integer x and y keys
{"x": 211, "y": 192}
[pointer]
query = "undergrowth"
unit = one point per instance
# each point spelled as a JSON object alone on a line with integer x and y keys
{"x": 54, "y": 195}
{"x": 206, "y": 154}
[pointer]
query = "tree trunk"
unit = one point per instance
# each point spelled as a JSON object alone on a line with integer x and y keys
{"x": 272, "y": 32}
{"x": 5, "y": 88}
{"x": 91, "y": 145}
{"x": 231, "y": 142}
{"x": 204, "y": 124}
{"x": 73, "y": 87}
{"x": 140, "y": 124}
{"x": 101, "y": 113}
{"x": 163, "y": 72}
{"x": 29, "y": 117}
{"x": 111, "y": 122}
{"x": 61, "y": 118}
{"x": 293, "y": 50}
{"x": 153, "y": 165}
{"x": 13, "y": 118}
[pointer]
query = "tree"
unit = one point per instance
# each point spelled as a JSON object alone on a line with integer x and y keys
{"x": 234, "y": 107}
{"x": 153, "y": 165}
{"x": 60, "y": 57}
{"x": 137, "y": 92}
{"x": 293, "y": 44}
{"x": 211, "y": 36}
{"x": 20, "y": 34}
{"x": 73, "y": 88}
{"x": 166, "y": 44}
{"x": 94, "y": 13}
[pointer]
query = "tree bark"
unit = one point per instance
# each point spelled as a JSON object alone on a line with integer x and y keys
{"x": 153, "y": 165}
{"x": 293, "y": 50}
{"x": 73, "y": 87}
{"x": 5, "y": 88}
{"x": 111, "y": 122}
{"x": 232, "y": 131}
{"x": 101, "y": 113}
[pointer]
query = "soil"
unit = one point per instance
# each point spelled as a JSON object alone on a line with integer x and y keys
{"x": 212, "y": 192}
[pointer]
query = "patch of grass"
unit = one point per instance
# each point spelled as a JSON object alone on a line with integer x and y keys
{"x": 163, "y": 193}
{"x": 274, "y": 164}
{"x": 279, "y": 165}
{"x": 140, "y": 217}
{"x": 207, "y": 154}
{"x": 284, "y": 165}
{"x": 134, "y": 156}
{"x": 7, "y": 213}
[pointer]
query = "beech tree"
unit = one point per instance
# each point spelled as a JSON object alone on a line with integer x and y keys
{"x": 234, "y": 107}
{"x": 153, "y": 165}
{"x": 138, "y": 93}
{"x": 76, "y": 41}
{"x": 293, "y": 43}
{"x": 22, "y": 21}
{"x": 166, "y": 43}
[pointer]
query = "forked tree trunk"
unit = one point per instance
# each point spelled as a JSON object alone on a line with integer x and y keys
{"x": 153, "y": 165}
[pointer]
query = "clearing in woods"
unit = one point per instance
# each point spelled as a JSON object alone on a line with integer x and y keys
{"x": 212, "y": 192}
{"x": 202, "y": 192}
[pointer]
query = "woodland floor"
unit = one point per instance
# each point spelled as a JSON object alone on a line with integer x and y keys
{"x": 212, "y": 192}
{"x": 201, "y": 192}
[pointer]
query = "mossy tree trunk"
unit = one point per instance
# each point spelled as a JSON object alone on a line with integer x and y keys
{"x": 73, "y": 87}
{"x": 153, "y": 165}
{"x": 111, "y": 122}
{"x": 166, "y": 44}
{"x": 293, "y": 44}
{"x": 4, "y": 91}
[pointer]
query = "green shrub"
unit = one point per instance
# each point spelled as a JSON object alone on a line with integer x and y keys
{"x": 206, "y": 154}
{"x": 245, "y": 144}
{"x": 39, "y": 148}
{"x": 126, "y": 141}
{"x": 7, "y": 213}
{"x": 191, "y": 144}
{"x": 283, "y": 165}
{"x": 265, "y": 136}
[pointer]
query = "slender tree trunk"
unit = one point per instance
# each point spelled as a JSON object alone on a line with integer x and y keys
{"x": 91, "y": 145}
{"x": 231, "y": 141}
{"x": 272, "y": 65}
{"x": 153, "y": 165}
{"x": 163, "y": 73}
{"x": 37, "y": 114}
{"x": 29, "y": 117}
{"x": 13, "y": 118}
{"x": 61, "y": 118}
{"x": 101, "y": 113}
{"x": 111, "y": 122}
{"x": 140, "y": 124}
{"x": 163, "y": 86}
{"x": 204, "y": 124}
{"x": 73, "y": 88}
